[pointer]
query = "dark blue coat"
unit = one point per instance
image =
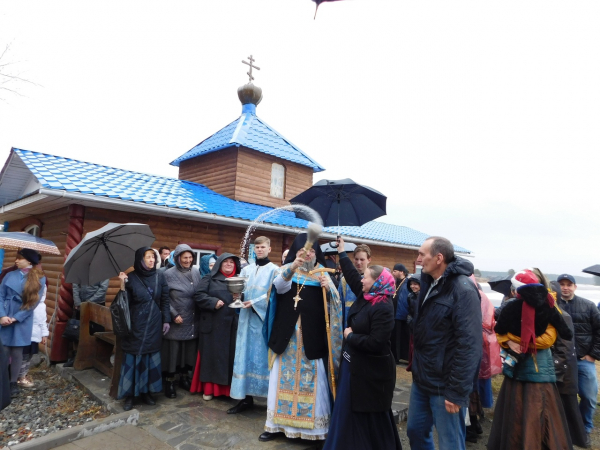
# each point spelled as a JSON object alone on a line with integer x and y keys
{"x": 148, "y": 312}
{"x": 19, "y": 333}
{"x": 447, "y": 334}
{"x": 401, "y": 298}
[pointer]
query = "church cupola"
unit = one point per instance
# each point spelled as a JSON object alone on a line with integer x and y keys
{"x": 248, "y": 160}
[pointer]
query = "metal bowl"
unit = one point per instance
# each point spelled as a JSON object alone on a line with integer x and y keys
{"x": 236, "y": 285}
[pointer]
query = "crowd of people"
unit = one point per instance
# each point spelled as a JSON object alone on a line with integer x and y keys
{"x": 321, "y": 342}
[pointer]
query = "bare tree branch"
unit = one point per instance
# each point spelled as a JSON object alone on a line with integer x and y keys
{"x": 8, "y": 77}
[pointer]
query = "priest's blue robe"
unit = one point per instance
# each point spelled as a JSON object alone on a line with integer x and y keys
{"x": 347, "y": 298}
{"x": 300, "y": 391}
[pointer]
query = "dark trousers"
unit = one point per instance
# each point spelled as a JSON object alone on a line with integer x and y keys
{"x": 401, "y": 335}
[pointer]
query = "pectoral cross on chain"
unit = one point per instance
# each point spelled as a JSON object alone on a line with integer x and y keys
{"x": 297, "y": 298}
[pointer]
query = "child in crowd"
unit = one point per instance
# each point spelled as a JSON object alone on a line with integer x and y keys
{"x": 38, "y": 334}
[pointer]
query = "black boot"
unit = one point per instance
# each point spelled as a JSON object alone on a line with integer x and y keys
{"x": 476, "y": 424}
{"x": 14, "y": 389}
{"x": 128, "y": 405}
{"x": 243, "y": 405}
{"x": 69, "y": 363}
{"x": 184, "y": 382}
{"x": 148, "y": 399}
{"x": 471, "y": 435}
{"x": 170, "y": 391}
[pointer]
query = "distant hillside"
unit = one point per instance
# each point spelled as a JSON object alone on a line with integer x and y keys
{"x": 491, "y": 275}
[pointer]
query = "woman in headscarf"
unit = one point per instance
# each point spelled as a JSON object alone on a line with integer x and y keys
{"x": 529, "y": 414}
{"x": 218, "y": 329}
{"x": 180, "y": 344}
{"x": 148, "y": 295}
{"x": 206, "y": 264}
{"x": 362, "y": 416}
{"x": 20, "y": 292}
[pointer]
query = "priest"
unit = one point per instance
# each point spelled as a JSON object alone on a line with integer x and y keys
{"x": 251, "y": 367}
{"x": 298, "y": 402}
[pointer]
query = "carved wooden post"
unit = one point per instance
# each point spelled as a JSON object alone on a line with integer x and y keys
{"x": 64, "y": 304}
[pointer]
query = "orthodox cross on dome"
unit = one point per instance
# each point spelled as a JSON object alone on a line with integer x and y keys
{"x": 251, "y": 59}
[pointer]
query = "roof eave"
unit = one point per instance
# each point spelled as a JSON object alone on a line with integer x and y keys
{"x": 128, "y": 205}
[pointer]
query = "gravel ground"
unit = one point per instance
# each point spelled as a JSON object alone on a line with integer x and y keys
{"x": 53, "y": 404}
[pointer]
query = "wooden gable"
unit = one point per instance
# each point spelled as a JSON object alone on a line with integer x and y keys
{"x": 244, "y": 174}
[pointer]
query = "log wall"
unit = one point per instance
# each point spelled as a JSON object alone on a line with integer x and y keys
{"x": 215, "y": 170}
{"x": 245, "y": 175}
{"x": 253, "y": 179}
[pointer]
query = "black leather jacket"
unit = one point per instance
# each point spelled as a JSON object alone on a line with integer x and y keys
{"x": 586, "y": 321}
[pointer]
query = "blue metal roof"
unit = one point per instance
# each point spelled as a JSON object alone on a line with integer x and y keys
{"x": 252, "y": 132}
{"x": 55, "y": 172}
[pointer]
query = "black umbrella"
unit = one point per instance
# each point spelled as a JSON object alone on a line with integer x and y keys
{"x": 329, "y": 249}
{"x": 593, "y": 270}
{"x": 105, "y": 252}
{"x": 503, "y": 286}
{"x": 342, "y": 202}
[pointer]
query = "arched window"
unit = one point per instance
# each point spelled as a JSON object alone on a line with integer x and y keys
{"x": 34, "y": 230}
{"x": 277, "y": 180}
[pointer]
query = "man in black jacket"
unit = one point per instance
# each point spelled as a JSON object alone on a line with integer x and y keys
{"x": 586, "y": 321}
{"x": 447, "y": 347}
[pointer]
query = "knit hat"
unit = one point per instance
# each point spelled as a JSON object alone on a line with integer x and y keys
{"x": 400, "y": 268}
{"x": 30, "y": 255}
{"x": 524, "y": 277}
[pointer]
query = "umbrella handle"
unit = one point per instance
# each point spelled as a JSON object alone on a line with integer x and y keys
{"x": 335, "y": 244}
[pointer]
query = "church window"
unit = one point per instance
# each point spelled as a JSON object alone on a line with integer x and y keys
{"x": 277, "y": 180}
{"x": 34, "y": 230}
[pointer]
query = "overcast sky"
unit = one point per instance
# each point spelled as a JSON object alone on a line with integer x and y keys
{"x": 478, "y": 120}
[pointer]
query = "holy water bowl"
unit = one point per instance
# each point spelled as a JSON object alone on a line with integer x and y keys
{"x": 236, "y": 286}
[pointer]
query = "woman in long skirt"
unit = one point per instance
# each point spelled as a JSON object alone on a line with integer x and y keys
{"x": 180, "y": 344}
{"x": 362, "y": 418}
{"x": 148, "y": 295}
{"x": 218, "y": 330}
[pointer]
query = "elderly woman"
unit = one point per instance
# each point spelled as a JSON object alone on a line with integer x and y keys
{"x": 180, "y": 344}
{"x": 148, "y": 295}
{"x": 362, "y": 416}
{"x": 218, "y": 329}
{"x": 20, "y": 292}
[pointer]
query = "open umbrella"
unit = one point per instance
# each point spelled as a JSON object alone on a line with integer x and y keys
{"x": 105, "y": 252}
{"x": 502, "y": 285}
{"x": 593, "y": 270}
{"x": 12, "y": 240}
{"x": 342, "y": 202}
{"x": 328, "y": 249}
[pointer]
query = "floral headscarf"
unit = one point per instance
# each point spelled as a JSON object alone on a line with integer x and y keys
{"x": 383, "y": 287}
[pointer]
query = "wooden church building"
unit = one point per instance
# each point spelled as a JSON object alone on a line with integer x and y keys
{"x": 225, "y": 182}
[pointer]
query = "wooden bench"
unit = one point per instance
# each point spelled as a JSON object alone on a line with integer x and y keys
{"x": 95, "y": 350}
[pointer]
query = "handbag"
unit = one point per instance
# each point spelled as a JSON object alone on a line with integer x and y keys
{"x": 71, "y": 332}
{"x": 119, "y": 312}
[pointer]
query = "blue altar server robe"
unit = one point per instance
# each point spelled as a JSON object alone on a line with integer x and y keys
{"x": 250, "y": 367}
